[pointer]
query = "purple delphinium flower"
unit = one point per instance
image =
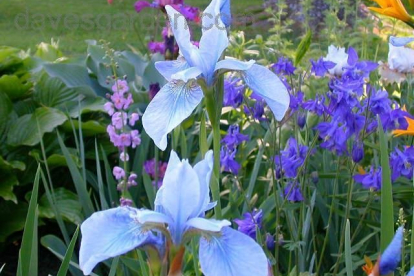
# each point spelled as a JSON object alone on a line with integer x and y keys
{"x": 227, "y": 160}
{"x": 296, "y": 101}
{"x": 315, "y": 106}
{"x": 149, "y": 167}
{"x": 293, "y": 193}
{"x": 402, "y": 163}
{"x": 357, "y": 151}
{"x": 284, "y": 67}
{"x": 395, "y": 119}
{"x": 321, "y": 66}
{"x": 370, "y": 180}
{"x": 250, "y": 223}
{"x": 257, "y": 111}
{"x": 190, "y": 13}
{"x": 233, "y": 92}
{"x": 392, "y": 254}
{"x": 334, "y": 136}
{"x": 270, "y": 242}
{"x": 379, "y": 102}
{"x": 292, "y": 158}
{"x": 233, "y": 137}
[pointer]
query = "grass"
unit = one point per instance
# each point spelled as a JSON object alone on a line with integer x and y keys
{"x": 26, "y": 23}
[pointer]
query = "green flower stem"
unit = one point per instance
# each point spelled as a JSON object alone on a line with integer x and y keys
{"x": 214, "y": 103}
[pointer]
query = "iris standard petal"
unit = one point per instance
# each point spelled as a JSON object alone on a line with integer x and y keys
{"x": 210, "y": 225}
{"x": 225, "y": 12}
{"x": 173, "y": 104}
{"x": 211, "y": 15}
{"x": 203, "y": 170}
{"x": 108, "y": 234}
{"x": 212, "y": 44}
{"x": 233, "y": 64}
{"x": 232, "y": 254}
{"x": 400, "y": 41}
{"x": 268, "y": 86}
{"x": 180, "y": 193}
{"x": 170, "y": 67}
{"x": 392, "y": 254}
{"x": 182, "y": 35}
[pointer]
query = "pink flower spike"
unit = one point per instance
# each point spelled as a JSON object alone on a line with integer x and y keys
{"x": 109, "y": 108}
{"x": 120, "y": 86}
{"x": 133, "y": 119}
{"x": 124, "y": 156}
{"x": 136, "y": 138}
{"x": 118, "y": 173}
{"x": 118, "y": 100}
{"x": 119, "y": 120}
{"x": 128, "y": 101}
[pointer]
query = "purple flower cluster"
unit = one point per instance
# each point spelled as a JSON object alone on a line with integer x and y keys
{"x": 233, "y": 92}
{"x": 120, "y": 130}
{"x": 283, "y": 68}
{"x": 292, "y": 192}
{"x": 290, "y": 159}
{"x": 229, "y": 149}
{"x": 402, "y": 163}
{"x": 250, "y": 223}
{"x": 155, "y": 171}
{"x": 370, "y": 180}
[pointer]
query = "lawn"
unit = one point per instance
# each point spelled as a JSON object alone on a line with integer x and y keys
{"x": 25, "y": 23}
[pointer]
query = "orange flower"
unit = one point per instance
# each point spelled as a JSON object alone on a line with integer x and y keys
{"x": 392, "y": 8}
{"x": 408, "y": 131}
{"x": 369, "y": 268}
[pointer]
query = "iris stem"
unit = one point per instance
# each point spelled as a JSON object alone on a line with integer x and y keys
{"x": 214, "y": 103}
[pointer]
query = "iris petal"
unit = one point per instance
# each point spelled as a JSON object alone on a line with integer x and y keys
{"x": 168, "y": 68}
{"x": 268, "y": 86}
{"x": 108, "y": 234}
{"x": 232, "y": 254}
{"x": 400, "y": 41}
{"x": 210, "y": 225}
{"x": 180, "y": 190}
{"x": 392, "y": 254}
{"x": 203, "y": 170}
{"x": 182, "y": 35}
{"x": 173, "y": 104}
{"x": 234, "y": 64}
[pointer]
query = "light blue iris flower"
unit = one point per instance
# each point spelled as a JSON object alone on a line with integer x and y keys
{"x": 199, "y": 67}
{"x": 392, "y": 254}
{"x": 180, "y": 205}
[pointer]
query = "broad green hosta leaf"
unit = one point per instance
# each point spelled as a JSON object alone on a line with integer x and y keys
{"x": 73, "y": 75}
{"x": 89, "y": 128}
{"x": 52, "y": 92}
{"x": 25, "y": 130}
{"x": 12, "y": 218}
{"x": 14, "y": 87}
{"x": 8, "y": 178}
{"x": 151, "y": 74}
{"x": 75, "y": 108}
{"x": 67, "y": 203}
{"x": 6, "y": 107}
